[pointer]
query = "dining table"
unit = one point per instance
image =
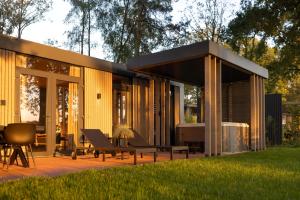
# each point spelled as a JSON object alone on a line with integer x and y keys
{"x": 17, "y": 150}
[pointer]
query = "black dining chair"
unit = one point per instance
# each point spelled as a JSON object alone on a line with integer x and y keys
{"x": 19, "y": 135}
{"x": 2, "y": 142}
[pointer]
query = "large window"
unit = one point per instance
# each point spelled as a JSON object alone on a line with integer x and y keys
{"x": 122, "y": 100}
{"x": 43, "y": 64}
{"x": 33, "y": 101}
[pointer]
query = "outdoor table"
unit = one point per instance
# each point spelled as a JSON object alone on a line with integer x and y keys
{"x": 17, "y": 150}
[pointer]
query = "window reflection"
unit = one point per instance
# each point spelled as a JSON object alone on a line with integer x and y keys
{"x": 67, "y": 108}
{"x": 43, "y": 64}
{"x": 122, "y": 101}
{"x": 33, "y": 107}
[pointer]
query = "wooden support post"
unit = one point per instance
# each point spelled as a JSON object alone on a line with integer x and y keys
{"x": 207, "y": 72}
{"x": 213, "y": 123}
{"x": 135, "y": 104}
{"x": 253, "y": 106}
{"x": 219, "y": 106}
{"x": 263, "y": 116}
{"x": 167, "y": 113}
{"x": 213, "y": 110}
{"x": 163, "y": 113}
{"x": 213, "y": 105}
{"x": 157, "y": 112}
{"x": 258, "y": 113}
{"x": 151, "y": 112}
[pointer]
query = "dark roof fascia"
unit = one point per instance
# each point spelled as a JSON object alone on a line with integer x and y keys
{"x": 53, "y": 53}
{"x": 169, "y": 56}
{"x": 196, "y": 50}
{"x": 237, "y": 60}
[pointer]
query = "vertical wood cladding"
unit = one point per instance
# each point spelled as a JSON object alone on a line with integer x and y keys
{"x": 141, "y": 109}
{"x": 213, "y": 107}
{"x": 257, "y": 125}
{"x": 236, "y": 102}
{"x": 98, "y": 112}
{"x": 7, "y": 86}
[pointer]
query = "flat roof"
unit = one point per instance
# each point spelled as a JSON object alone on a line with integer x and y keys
{"x": 53, "y": 53}
{"x": 192, "y": 52}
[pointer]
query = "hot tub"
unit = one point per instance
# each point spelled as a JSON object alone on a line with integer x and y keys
{"x": 235, "y": 136}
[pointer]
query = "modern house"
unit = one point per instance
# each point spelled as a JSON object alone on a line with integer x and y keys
{"x": 62, "y": 91}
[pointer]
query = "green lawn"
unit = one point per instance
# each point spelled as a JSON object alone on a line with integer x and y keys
{"x": 271, "y": 174}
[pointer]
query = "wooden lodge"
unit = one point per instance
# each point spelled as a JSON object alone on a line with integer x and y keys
{"x": 62, "y": 91}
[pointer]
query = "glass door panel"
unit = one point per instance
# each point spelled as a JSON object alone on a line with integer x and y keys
{"x": 67, "y": 109}
{"x": 33, "y": 101}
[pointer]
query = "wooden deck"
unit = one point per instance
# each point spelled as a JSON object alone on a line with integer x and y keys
{"x": 55, "y": 166}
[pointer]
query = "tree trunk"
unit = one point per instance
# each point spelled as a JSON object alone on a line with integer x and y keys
{"x": 82, "y": 32}
{"x": 139, "y": 27}
{"x": 89, "y": 28}
{"x": 19, "y": 31}
{"x": 20, "y": 18}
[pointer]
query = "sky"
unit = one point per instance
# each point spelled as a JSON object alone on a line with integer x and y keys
{"x": 53, "y": 27}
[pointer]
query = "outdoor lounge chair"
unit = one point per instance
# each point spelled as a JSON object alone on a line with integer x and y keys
{"x": 138, "y": 141}
{"x": 102, "y": 145}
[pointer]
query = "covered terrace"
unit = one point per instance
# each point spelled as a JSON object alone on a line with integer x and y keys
{"x": 233, "y": 88}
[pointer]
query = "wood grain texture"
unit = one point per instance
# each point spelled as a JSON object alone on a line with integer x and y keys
{"x": 98, "y": 112}
{"x": 7, "y": 86}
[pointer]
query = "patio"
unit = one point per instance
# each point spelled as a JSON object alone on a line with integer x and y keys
{"x": 55, "y": 166}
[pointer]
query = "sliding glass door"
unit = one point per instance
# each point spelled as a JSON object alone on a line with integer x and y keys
{"x": 33, "y": 109}
{"x": 51, "y": 102}
{"x": 67, "y": 110}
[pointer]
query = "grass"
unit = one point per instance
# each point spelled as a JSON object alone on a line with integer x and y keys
{"x": 271, "y": 174}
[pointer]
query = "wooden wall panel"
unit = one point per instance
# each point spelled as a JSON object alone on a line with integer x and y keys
{"x": 7, "y": 86}
{"x": 98, "y": 112}
{"x": 141, "y": 114}
{"x": 240, "y": 102}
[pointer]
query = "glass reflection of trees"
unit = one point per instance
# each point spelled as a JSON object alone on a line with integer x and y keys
{"x": 33, "y": 99}
{"x": 43, "y": 64}
{"x": 67, "y": 108}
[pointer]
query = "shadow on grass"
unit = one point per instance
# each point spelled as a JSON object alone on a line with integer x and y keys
{"x": 270, "y": 174}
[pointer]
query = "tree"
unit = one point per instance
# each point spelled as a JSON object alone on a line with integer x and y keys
{"x": 192, "y": 97}
{"x": 135, "y": 27}
{"x": 278, "y": 22}
{"x": 6, "y": 25}
{"x": 208, "y": 19}
{"x": 27, "y": 12}
{"x": 81, "y": 16}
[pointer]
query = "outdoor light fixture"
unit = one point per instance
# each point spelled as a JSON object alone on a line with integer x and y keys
{"x": 98, "y": 96}
{"x": 2, "y": 102}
